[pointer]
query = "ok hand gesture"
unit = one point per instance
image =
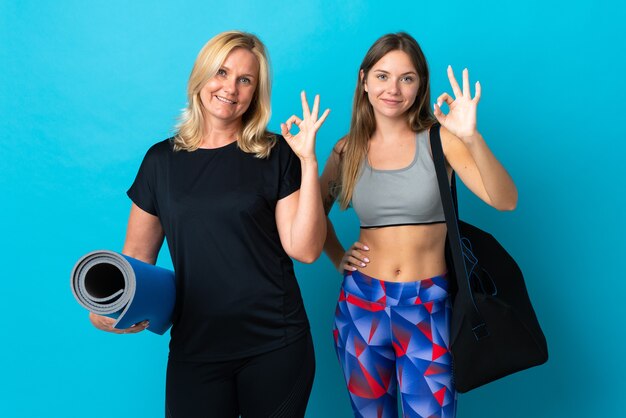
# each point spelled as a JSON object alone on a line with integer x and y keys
{"x": 461, "y": 119}
{"x": 303, "y": 143}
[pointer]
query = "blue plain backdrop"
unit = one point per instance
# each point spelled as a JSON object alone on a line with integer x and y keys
{"x": 87, "y": 87}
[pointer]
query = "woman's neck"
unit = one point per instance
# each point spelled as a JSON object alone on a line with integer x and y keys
{"x": 391, "y": 129}
{"x": 219, "y": 134}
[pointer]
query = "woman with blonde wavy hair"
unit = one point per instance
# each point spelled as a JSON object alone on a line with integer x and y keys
{"x": 236, "y": 203}
{"x": 393, "y": 315}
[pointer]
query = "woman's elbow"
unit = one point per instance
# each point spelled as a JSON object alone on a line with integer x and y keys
{"x": 507, "y": 208}
{"x": 508, "y": 205}
{"x": 309, "y": 254}
{"x": 307, "y": 257}
{"x": 308, "y": 250}
{"x": 141, "y": 254}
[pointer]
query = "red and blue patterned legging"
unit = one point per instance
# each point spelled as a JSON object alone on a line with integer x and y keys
{"x": 390, "y": 335}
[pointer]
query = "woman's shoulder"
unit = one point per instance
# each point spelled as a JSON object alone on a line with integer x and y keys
{"x": 161, "y": 148}
{"x": 158, "y": 153}
{"x": 278, "y": 139}
{"x": 340, "y": 146}
{"x": 280, "y": 145}
{"x": 166, "y": 145}
{"x": 336, "y": 157}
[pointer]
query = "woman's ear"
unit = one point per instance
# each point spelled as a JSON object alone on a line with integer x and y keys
{"x": 363, "y": 80}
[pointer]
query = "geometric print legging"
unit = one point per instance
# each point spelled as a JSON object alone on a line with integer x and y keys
{"x": 391, "y": 336}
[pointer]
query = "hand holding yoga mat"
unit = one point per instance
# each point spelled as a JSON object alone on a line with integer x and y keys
{"x": 115, "y": 285}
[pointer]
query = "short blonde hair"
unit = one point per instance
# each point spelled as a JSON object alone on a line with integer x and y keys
{"x": 254, "y": 137}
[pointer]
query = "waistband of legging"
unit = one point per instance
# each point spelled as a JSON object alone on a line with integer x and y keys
{"x": 395, "y": 293}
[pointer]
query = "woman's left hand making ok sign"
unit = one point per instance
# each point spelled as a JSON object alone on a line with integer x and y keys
{"x": 461, "y": 118}
{"x": 303, "y": 143}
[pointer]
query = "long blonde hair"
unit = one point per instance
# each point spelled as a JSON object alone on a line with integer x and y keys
{"x": 254, "y": 137}
{"x": 363, "y": 123}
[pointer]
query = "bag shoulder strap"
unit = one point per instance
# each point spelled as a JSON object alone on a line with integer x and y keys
{"x": 450, "y": 209}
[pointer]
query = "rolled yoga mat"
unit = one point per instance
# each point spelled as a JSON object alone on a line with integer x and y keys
{"x": 114, "y": 285}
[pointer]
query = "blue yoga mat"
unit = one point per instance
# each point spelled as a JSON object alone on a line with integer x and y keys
{"x": 114, "y": 285}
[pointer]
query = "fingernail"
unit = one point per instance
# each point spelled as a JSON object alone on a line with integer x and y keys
{"x": 366, "y": 247}
{"x": 439, "y": 103}
{"x": 353, "y": 268}
{"x": 367, "y": 260}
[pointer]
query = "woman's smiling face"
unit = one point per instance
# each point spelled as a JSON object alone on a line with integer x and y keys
{"x": 392, "y": 85}
{"x": 227, "y": 95}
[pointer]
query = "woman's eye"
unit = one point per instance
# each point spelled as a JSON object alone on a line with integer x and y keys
{"x": 245, "y": 80}
{"x": 408, "y": 79}
{"x": 381, "y": 76}
{"x": 221, "y": 72}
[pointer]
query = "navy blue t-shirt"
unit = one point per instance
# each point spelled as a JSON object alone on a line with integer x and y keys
{"x": 237, "y": 294}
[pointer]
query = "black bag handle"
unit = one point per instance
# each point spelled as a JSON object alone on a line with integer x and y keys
{"x": 450, "y": 209}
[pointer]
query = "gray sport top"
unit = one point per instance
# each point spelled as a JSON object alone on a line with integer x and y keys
{"x": 407, "y": 196}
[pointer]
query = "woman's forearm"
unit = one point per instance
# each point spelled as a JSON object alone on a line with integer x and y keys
{"x": 308, "y": 230}
{"x": 332, "y": 246}
{"x": 497, "y": 181}
{"x": 144, "y": 236}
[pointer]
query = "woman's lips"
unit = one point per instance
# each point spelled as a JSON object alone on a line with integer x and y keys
{"x": 224, "y": 100}
{"x": 391, "y": 102}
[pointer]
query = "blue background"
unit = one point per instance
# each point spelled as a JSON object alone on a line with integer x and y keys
{"x": 87, "y": 87}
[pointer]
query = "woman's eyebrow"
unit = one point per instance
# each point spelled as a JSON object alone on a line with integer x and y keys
{"x": 387, "y": 72}
{"x": 224, "y": 67}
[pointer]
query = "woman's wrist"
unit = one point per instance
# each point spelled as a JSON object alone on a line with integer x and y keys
{"x": 472, "y": 139}
{"x": 308, "y": 161}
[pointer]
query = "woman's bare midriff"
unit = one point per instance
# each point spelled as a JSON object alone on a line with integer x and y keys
{"x": 404, "y": 253}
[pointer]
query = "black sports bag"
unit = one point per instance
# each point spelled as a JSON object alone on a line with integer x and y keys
{"x": 494, "y": 330}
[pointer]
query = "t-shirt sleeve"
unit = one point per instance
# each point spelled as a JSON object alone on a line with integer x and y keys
{"x": 143, "y": 190}
{"x": 290, "y": 170}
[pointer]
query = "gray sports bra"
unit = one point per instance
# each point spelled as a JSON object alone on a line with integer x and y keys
{"x": 407, "y": 196}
